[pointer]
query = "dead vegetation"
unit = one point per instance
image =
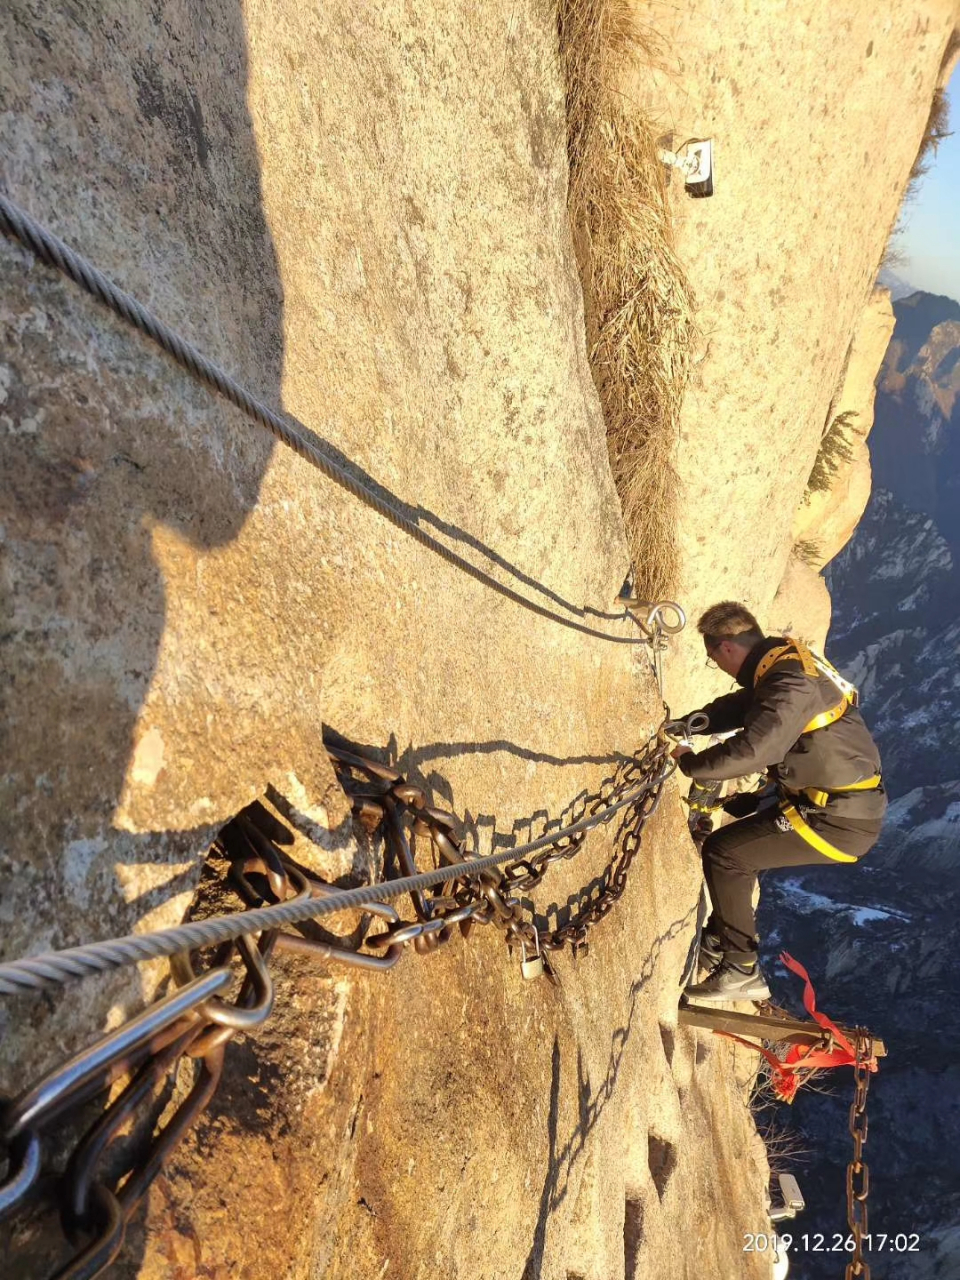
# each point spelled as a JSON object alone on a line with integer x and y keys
{"x": 786, "y": 1146}
{"x": 638, "y": 303}
{"x": 935, "y": 131}
{"x": 938, "y": 121}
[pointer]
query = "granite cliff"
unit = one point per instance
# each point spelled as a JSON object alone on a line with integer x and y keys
{"x": 361, "y": 213}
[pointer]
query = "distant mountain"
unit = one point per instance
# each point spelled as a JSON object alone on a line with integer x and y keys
{"x": 917, "y": 317}
{"x": 896, "y": 585}
{"x": 899, "y": 288}
{"x": 882, "y": 940}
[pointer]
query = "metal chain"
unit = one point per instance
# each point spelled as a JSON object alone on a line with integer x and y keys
{"x": 195, "y": 1023}
{"x": 52, "y": 968}
{"x": 18, "y": 225}
{"x": 858, "y": 1171}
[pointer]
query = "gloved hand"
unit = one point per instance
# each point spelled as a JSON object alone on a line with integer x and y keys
{"x": 704, "y": 796}
{"x": 704, "y": 801}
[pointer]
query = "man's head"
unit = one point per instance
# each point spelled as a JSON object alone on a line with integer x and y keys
{"x": 729, "y": 632}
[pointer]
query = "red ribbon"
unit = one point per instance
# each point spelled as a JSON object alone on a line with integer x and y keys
{"x": 802, "y": 1057}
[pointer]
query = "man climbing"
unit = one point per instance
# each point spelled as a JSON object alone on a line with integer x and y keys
{"x": 797, "y": 720}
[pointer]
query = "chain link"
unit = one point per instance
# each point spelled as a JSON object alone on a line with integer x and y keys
{"x": 195, "y": 1023}
{"x": 858, "y": 1171}
{"x": 492, "y": 899}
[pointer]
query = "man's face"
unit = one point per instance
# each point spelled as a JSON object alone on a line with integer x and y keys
{"x": 728, "y": 655}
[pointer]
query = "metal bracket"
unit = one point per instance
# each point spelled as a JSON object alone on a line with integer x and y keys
{"x": 694, "y": 159}
{"x": 793, "y": 1202}
{"x": 762, "y": 1026}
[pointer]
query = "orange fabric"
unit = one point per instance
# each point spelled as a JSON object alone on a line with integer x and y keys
{"x": 804, "y": 1057}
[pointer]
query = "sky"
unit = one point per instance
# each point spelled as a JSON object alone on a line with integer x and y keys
{"x": 930, "y": 241}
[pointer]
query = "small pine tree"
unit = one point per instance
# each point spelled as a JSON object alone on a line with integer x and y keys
{"x": 807, "y": 550}
{"x": 835, "y": 449}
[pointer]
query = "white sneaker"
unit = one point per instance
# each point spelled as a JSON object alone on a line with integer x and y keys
{"x": 729, "y": 982}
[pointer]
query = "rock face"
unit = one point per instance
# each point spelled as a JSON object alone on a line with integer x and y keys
{"x": 361, "y": 214}
{"x": 899, "y": 574}
{"x": 885, "y": 936}
{"x": 809, "y": 174}
{"x": 828, "y": 517}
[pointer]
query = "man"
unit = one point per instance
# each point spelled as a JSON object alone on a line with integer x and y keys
{"x": 797, "y": 720}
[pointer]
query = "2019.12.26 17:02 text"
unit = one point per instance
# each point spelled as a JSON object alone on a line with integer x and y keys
{"x": 818, "y": 1242}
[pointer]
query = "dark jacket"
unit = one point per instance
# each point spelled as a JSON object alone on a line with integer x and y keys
{"x": 771, "y": 718}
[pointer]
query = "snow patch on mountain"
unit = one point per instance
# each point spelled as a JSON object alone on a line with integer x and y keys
{"x": 805, "y": 901}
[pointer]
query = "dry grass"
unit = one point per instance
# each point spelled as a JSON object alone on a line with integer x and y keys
{"x": 639, "y": 307}
{"x": 936, "y": 130}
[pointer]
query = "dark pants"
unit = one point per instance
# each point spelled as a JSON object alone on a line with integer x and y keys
{"x": 733, "y": 855}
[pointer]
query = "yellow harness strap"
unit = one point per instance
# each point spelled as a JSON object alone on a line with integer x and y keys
{"x": 820, "y": 798}
{"x": 794, "y": 651}
{"x": 828, "y": 717}
{"x": 791, "y": 651}
{"x": 812, "y": 837}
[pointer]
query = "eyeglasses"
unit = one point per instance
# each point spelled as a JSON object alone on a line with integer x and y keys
{"x": 711, "y": 665}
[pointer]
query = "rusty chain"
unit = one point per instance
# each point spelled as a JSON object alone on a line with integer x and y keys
{"x": 858, "y": 1171}
{"x": 493, "y": 900}
{"x": 95, "y": 1198}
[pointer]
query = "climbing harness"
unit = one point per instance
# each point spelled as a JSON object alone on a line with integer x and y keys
{"x": 813, "y": 838}
{"x": 196, "y": 1022}
{"x": 813, "y": 664}
{"x": 821, "y": 798}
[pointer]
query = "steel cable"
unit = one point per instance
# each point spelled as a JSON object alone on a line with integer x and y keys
{"x": 52, "y": 968}
{"x": 19, "y": 225}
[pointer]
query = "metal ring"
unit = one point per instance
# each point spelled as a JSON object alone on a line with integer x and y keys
{"x": 100, "y": 1252}
{"x": 23, "y": 1169}
{"x": 87, "y": 1072}
{"x": 405, "y": 934}
{"x": 78, "y": 1188}
{"x": 656, "y": 621}
{"x": 241, "y": 1017}
{"x": 675, "y": 729}
{"x": 459, "y": 914}
{"x": 408, "y": 932}
{"x": 699, "y": 722}
{"x": 257, "y": 865}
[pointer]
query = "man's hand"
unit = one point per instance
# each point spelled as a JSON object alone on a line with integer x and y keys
{"x": 679, "y": 751}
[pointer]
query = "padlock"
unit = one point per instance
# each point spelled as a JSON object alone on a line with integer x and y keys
{"x": 532, "y": 968}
